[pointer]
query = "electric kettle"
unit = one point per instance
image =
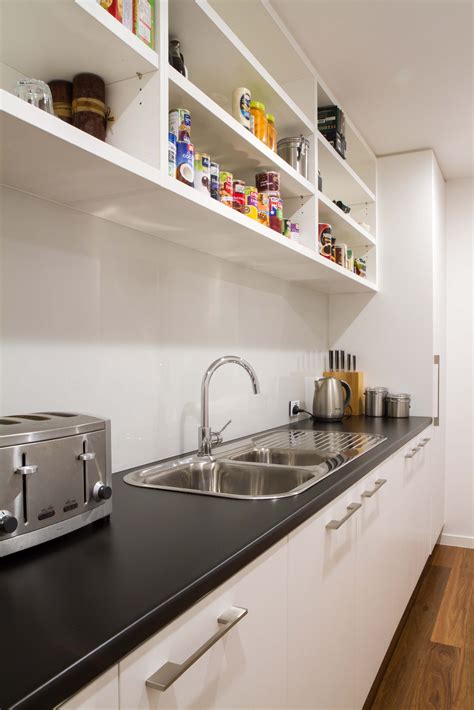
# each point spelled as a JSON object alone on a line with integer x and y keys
{"x": 331, "y": 397}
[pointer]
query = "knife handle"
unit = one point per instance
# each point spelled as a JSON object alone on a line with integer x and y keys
{"x": 331, "y": 361}
{"x": 354, "y": 363}
{"x": 343, "y": 360}
{"x": 337, "y": 360}
{"x": 348, "y": 362}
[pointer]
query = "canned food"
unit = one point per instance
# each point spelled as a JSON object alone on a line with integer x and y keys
{"x": 226, "y": 188}
{"x": 268, "y": 182}
{"x": 325, "y": 240}
{"x": 179, "y": 122}
{"x": 171, "y": 155}
{"x": 238, "y": 202}
{"x": 185, "y": 162}
{"x": 263, "y": 216}
{"x": 214, "y": 181}
{"x": 275, "y": 211}
{"x": 202, "y": 172}
{"x": 295, "y": 230}
{"x": 360, "y": 267}
{"x": 287, "y": 223}
{"x": 251, "y": 202}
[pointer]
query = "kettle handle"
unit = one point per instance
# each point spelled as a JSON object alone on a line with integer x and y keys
{"x": 348, "y": 390}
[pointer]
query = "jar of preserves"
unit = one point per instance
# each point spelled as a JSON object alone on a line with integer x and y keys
{"x": 260, "y": 124}
{"x": 271, "y": 132}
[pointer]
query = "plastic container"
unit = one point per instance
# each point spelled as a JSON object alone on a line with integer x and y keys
{"x": 271, "y": 132}
{"x": 260, "y": 123}
{"x": 268, "y": 182}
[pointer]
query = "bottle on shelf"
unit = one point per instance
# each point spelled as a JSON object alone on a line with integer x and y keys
{"x": 271, "y": 132}
{"x": 241, "y": 106}
{"x": 260, "y": 126}
{"x": 175, "y": 57}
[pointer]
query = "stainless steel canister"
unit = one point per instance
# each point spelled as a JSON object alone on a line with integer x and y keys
{"x": 398, "y": 406}
{"x": 375, "y": 401}
{"x": 295, "y": 151}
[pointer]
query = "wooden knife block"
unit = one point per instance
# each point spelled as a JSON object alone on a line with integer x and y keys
{"x": 355, "y": 380}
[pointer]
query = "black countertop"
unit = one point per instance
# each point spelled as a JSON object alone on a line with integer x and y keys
{"x": 71, "y": 608}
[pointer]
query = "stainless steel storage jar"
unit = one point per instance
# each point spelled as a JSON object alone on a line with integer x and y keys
{"x": 375, "y": 401}
{"x": 295, "y": 151}
{"x": 398, "y": 406}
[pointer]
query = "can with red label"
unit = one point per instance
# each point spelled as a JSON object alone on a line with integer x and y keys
{"x": 226, "y": 188}
{"x": 251, "y": 202}
{"x": 239, "y": 196}
{"x": 275, "y": 213}
{"x": 263, "y": 208}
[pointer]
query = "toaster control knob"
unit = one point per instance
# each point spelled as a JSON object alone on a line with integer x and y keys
{"x": 8, "y": 523}
{"x": 101, "y": 491}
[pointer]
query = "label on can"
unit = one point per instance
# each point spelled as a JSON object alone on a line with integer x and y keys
{"x": 214, "y": 181}
{"x": 171, "y": 155}
{"x": 238, "y": 202}
{"x": 202, "y": 172}
{"x": 251, "y": 202}
{"x": 226, "y": 188}
{"x": 185, "y": 162}
{"x": 245, "y": 108}
{"x": 287, "y": 228}
{"x": 263, "y": 217}
{"x": 180, "y": 124}
{"x": 295, "y": 230}
{"x": 275, "y": 211}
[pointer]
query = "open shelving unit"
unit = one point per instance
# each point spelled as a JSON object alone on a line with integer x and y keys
{"x": 125, "y": 180}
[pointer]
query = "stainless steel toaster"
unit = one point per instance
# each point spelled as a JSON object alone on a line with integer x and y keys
{"x": 55, "y": 476}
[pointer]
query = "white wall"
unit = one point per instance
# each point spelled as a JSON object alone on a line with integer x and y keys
{"x": 99, "y": 318}
{"x": 459, "y": 500}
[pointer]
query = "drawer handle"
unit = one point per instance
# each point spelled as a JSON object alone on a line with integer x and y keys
{"x": 87, "y": 456}
{"x": 27, "y": 470}
{"x": 423, "y": 443}
{"x": 170, "y": 672}
{"x": 412, "y": 453}
{"x": 351, "y": 509}
{"x": 377, "y": 486}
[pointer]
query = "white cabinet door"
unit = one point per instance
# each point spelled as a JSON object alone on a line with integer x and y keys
{"x": 321, "y": 609}
{"x": 435, "y": 481}
{"x": 101, "y": 694}
{"x": 245, "y": 669}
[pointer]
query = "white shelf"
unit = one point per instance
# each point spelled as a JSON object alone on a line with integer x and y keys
{"x": 340, "y": 181}
{"x": 215, "y": 132}
{"x": 53, "y": 160}
{"x": 344, "y": 227}
{"x": 60, "y": 38}
{"x": 218, "y": 62}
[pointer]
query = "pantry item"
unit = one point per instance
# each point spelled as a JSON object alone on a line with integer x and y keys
{"x": 268, "y": 182}
{"x": 398, "y": 406}
{"x": 260, "y": 125}
{"x": 238, "y": 198}
{"x": 36, "y": 93}
{"x": 113, "y": 7}
{"x": 241, "y": 106}
{"x": 61, "y": 92}
{"x": 144, "y": 21}
{"x": 89, "y": 112}
{"x": 360, "y": 266}
{"x": 295, "y": 230}
{"x": 172, "y": 155}
{"x": 331, "y": 397}
{"x": 287, "y": 228}
{"x": 341, "y": 255}
{"x": 263, "y": 215}
{"x": 350, "y": 259}
{"x": 185, "y": 162}
{"x": 251, "y": 202}
{"x": 202, "y": 172}
{"x": 179, "y": 123}
{"x": 324, "y": 240}
{"x": 345, "y": 208}
{"x": 320, "y": 181}
{"x": 375, "y": 401}
{"x": 127, "y": 14}
{"x": 175, "y": 57}
{"x": 226, "y": 188}
{"x": 295, "y": 151}
{"x": 271, "y": 132}
{"x": 214, "y": 181}
{"x": 275, "y": 213}
{"x": 331, "y": 118}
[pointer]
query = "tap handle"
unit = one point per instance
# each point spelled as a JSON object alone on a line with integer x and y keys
{"x": 217, "y": 435}
{"x": 224, "y": 427}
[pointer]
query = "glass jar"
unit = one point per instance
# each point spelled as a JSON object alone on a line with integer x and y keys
{"x": 259, "y": 120}
{"x": 271, "y": 132}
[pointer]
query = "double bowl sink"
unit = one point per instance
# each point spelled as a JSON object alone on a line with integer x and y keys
{"x": 276, "y": 465}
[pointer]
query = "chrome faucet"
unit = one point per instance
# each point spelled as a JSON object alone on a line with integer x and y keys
{"x": 206, "y": 436}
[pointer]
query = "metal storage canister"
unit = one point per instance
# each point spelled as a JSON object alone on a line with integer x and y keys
{"x": 295, "y": 151}
{"x": 398, "y": 406}
{"x": 375, "y": 401}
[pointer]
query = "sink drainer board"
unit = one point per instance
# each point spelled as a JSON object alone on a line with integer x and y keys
{"x": 325, "y": 440}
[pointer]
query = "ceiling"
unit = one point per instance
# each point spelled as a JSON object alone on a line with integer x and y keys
{"x": 403, "y": 70}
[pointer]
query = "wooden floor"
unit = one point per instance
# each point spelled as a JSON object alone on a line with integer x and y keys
{"x": 432, "y": 666}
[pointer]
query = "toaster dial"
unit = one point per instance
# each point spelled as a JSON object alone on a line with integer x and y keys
{"x": 8, "y": 522}
{"x": 101, "y": 491}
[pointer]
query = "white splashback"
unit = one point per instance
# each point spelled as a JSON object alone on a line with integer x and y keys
{"x": 101, "y": 319}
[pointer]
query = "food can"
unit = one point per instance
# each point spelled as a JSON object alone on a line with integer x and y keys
{"x": 238, "y": 197}
{"x": 268, "y": 182}
{"x": 360, "y": 266}
{"x": 295, "y": 230}
{"x": 275, "y": 211}
{"x": 202, "y": 172}
{"x": 214, "y": 182}
{"x": 171, "y": 155}
{"x": 226, "y": 188}
{"x": 287, "y": 228}
{"x": 263, "y": 216}
{"x": 350, "y": 259}
{"x": 325, "y": 239}
{"x": 185, "y": 162}
{"x": 179, "y": 123}
{"x": 241, "y": 106}
{"x": 251, "y": 202}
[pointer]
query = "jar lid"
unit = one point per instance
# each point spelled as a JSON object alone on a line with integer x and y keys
{"x": 296, "y": 139}
{"x": 270, "y": 117}
{"x": 257, "y": 105}
{"x": 380, "y": 390}
{"x": 402, "y": 396}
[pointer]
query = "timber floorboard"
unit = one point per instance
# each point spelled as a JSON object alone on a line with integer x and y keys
{"x": 432, "y": 664}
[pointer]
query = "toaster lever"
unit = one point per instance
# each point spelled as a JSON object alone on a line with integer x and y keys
{"x": 87, "y": 456}
{"x": 27, "y": 470}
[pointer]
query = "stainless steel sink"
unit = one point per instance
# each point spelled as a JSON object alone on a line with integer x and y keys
{"x": 280, "y": 464}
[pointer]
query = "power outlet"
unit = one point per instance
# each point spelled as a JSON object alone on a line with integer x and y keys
{"x": 293, "y": 403}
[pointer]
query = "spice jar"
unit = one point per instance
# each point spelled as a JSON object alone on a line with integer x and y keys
{"x": 271, "y": 132}
{"x": 259, "y": 120}
{"x": 88, "y": 105}
{"x": 61, "y": 91}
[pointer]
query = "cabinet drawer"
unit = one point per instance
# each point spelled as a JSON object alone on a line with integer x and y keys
{"x": 101, "y": 694}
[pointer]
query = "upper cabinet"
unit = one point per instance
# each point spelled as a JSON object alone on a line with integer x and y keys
{"x": 127, "y": 180}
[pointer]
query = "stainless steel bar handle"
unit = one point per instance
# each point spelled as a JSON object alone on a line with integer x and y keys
{"x": 413, "y": 452}
{"x": 27, "y": 470}
{"x": 87, "y": 456}
{"x": 351, "y": 509}
{"x": 377, "y": 486}
{"x": 423, "y": 442}
{"x": 170, "y": 672}
{"x": 437, "y": 361}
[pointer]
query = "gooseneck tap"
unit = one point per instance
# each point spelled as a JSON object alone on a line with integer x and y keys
{"x": 206, "y": 436}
